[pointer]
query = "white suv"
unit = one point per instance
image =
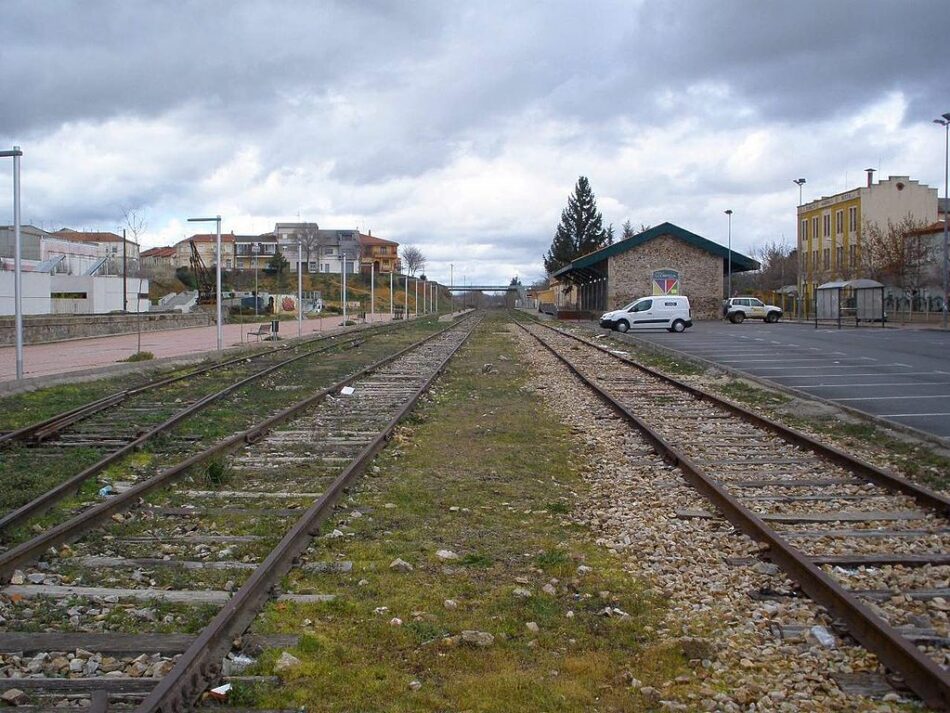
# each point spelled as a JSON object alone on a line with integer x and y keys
{"x": 738, "y": 309}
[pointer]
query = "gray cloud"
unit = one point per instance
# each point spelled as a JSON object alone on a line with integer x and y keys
{"x": 366, "y": 110}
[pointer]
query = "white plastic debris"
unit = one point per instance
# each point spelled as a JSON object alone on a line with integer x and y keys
{"x": 823, "y": 636}
{"x": 221, "y": 692}
{"x": 347, "y": 390}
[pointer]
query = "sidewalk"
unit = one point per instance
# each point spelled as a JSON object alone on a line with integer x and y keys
{"x": 99, "y": 352}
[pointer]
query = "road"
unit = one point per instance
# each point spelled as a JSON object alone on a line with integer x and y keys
{"x": 902, "y": 375}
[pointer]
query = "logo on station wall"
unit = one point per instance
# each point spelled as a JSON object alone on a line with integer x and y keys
{"x": 666, "y": 282}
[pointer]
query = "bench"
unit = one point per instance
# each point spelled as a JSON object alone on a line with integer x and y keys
{"x": 263, "y": 331}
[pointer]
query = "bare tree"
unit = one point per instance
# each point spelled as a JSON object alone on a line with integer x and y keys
{"x": 309, "y": 237}
{"x": 413, "y": 258}
{"x": 779, "y": 265}
{"x": 894, "y": 255}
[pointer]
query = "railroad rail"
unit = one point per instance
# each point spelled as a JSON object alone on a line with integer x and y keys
{"x": 317, "y": 447}
{"x": 114, "y": 427}
{"x": 759, "y": 473}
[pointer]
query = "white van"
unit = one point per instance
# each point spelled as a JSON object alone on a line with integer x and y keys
{"x": 664, "y": 312}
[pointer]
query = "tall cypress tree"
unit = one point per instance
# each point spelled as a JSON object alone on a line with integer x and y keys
{"x": 580, "y": 231}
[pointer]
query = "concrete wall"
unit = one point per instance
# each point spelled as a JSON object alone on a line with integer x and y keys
{"x": 35, "y": 293}
{"x": 42, "y": 329}
{"x": 103, "y": 294}
{"x": 701, "y": 275}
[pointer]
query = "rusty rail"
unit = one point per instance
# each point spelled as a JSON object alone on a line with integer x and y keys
{"x": 43, "y": 502}
{"x": 200, "y": 664}
{"x": 921, "y": 673}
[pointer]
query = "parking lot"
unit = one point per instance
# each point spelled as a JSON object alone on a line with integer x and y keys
{"x": 902, "y": 375}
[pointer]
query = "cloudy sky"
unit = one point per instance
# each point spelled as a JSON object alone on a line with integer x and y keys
{"x": 462, "y": 127}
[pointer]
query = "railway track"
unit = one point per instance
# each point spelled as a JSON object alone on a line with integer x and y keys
{"x": 139, "y": 600}
{"x": 47, "y": 462}
{"x": 869, "y": 546}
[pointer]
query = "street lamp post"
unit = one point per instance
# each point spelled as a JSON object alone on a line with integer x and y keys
{"x": 217, "y": 271}
{"x": 343, "y": 266}
{"x": 17, "y": 272}
{"x": 255, "y": 251}
{"x": 299, "y": 288}
{"x": 801, "y": 278}
{"x": 392, "y": 305}
{"x": 729, "y": 281}
{"x": 372, "y": 290}
{"x": 945, "y": 122}
{"x": 406, "y": 302}
{"x": 415, "y": 310}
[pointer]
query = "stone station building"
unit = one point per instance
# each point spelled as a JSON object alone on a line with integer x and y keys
{"x": 664, "y": 260}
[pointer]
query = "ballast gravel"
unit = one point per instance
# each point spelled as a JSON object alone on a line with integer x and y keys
{"x": 760, "y": 648}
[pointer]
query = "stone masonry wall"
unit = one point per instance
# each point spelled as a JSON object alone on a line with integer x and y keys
{"x": 42, "y": 329}
{"x": 700, "y": 272}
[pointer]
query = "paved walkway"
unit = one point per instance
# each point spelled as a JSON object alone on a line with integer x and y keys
{"x": 97, "y": 352}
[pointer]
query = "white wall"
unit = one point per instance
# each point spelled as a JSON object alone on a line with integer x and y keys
{"x": 103, "y": 294}
{"x": 883, "y": 200}
{"x": 35, "y": 293}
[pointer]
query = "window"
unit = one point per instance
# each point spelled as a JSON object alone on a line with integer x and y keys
{"x": 827, "y": 255}
{"x": 642, "y": 306}
{"x": 826, "y": 221}
{"x": 814, "y": 227}
{"x": 814, "y": 259}
{"x": 839, "y": 256}
{"x": 311, "y": 266}
{"x": 804, "y": 230}
{"x": 852, "y": 255}
{"x": 756, "y": 303}
{"x": 326, "y": 267}
{"x": 839, "y": 222}
{"x": 853, "y": 218}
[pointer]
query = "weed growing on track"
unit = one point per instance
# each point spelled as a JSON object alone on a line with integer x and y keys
{"x": 486, "y": 472}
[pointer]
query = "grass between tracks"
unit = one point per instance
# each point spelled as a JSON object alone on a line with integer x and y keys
{"x": 485, "y": 471}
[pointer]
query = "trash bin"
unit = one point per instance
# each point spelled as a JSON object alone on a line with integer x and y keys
{"x": 274, "y": 326}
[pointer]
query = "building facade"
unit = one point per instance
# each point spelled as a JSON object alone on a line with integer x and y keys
{"x": 322, "y": 250}
{"x": 830, "y": 228}
{"x": 664, "y": 260}
{"x": 379, "y": 255}
{"x": 109, "y": 246}
{"x": 206, "y": 245}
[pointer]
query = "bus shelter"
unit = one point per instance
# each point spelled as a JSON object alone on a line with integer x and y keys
{"x": 842, "y": 301}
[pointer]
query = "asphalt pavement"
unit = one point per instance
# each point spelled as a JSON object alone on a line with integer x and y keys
{"x": 902, "y": 375}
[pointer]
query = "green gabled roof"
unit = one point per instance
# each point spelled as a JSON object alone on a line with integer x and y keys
{"x": 740, "y": 263}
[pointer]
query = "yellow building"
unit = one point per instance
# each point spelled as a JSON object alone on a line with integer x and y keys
{"x": 829, "y": 228}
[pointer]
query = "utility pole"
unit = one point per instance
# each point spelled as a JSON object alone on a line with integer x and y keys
{"x": 125, "y": 277}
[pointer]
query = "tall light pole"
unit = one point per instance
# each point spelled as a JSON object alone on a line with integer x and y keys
{"x": 729, "y": 281}
{"x": 343, "y": 264}
{"x": 392, "y": 305}
{"x": 801, "y": 248}
{"x": 17, "y": 272}
{"x": 217, "y": 271}
{"x": 945, "y": 122}
{"x": 299, "y": 287}
{"x": 372, "y": 290}
{"x": 255, "y": 251}
{"x": 416, "y": 305}
{"x": 406, "y": 308}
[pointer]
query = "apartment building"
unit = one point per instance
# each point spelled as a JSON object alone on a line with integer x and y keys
{"x": 206, "y": 245}
{"x": 322, "y": 250}
{"x": 829, "y": 228}
{"x": 108, "y": 246}
{"x": 379, "y": 255}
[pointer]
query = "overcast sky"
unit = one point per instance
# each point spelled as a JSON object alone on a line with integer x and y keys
{"x": 462, "y": 127}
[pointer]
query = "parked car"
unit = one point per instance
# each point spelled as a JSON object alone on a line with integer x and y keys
{"x": 738, "y": 309}
{"x": 670, "y": 312}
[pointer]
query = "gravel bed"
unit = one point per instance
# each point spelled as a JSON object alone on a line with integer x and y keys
{"x": 747, "y": 664}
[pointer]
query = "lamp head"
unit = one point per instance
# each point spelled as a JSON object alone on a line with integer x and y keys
{"x": 945, "y": 116}
{"x": 729, "y": 212}
{"x": 799, "y": 181}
